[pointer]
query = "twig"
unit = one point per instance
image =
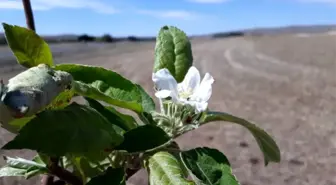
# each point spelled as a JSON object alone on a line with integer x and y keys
{"x": 59, "y": 182}
{"x": 130, "y": 172}
{"x": 56, "y": 171}
{"x": 29, "y": 14}
{"x": 47, "y": 180}
{"x": 63, "y": 174}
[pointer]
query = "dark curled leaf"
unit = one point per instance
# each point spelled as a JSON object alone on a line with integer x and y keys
{"x": 35, "y": 89}
{"x": 30, "y": 92}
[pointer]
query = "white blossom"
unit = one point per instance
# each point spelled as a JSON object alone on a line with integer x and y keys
{"x": 190, "y": 91}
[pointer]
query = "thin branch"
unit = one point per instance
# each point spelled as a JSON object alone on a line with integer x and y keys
{"x": 54, "y": 170}
{"x": 130, "y": 172}
{"x": 63, "y": 174}
{"x": 59, "y": 182}
{"x": 47, "y": 180}
{"x": 29, "y": 14}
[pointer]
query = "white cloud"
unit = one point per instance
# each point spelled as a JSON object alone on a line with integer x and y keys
{"x": 94, "y": 5}
{"x": 101, "y": 7}
{"x": 17, "y": 5}
{"x": 174, "y": 14}
{"x": 208, "y": 1}
{"x": 11, "y": 5}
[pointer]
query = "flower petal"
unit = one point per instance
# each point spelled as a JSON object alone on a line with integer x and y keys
{"x": 201, "y": 106}
{"x": 191, "y": 81}
{"x": 163, "y": 94}
{"x": 163, "y": 80}
{"x": 204, "y": 91}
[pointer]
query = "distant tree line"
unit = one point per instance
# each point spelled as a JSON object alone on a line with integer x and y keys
{"x": 228, "y": 34}
{"x": 3, "y": 41}
{"x": 106, "y": 38}
{"x": 109, "y": 38}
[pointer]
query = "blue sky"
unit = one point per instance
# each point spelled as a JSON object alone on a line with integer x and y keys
{"x": 145, "y": 17}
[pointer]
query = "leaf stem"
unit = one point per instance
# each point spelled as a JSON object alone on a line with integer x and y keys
{"x": 164, "y": 145}
{"x": 143, "y": 119}
{"x": 173, "y": 150}
{"x": 111, "y": 161}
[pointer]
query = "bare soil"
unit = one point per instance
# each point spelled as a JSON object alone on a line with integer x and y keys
{"x": 285, "y": 84}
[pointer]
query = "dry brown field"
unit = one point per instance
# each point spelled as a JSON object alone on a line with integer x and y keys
{"x": 286, "y": 84}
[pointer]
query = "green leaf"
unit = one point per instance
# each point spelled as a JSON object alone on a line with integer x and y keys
{"x": 74, "y": 162}
{"x": 89, "y": 169}
{"x": 62, "y": 100}
{"x": 112, "y": 176}
{"x": 146, "y": 101}
{"x": 112, "y": 116}
{"x": 16, "y": 124}
{"x": 129, "y": 120}
{"x": 209, "y": 166}
{"x": 85, "y": 168}
{"x": 28, "y": 48}
{"x": 101, "y": 84}
{"x": 143, "y": 138}
{"x": 173, "y": 51}
{"x": 267, "y": 145}
{"x": 164, "y": 169}
{"x": 23, "y": 167}
{"x": 7, "y": 171}
{"x": 42, "y": 158}
{"x": 76, "y": 129}
{"x": 32, "y": 173}
{"x": 148, "y": 117}
{"x": 19, "y": 123}
{"x": 23, "y": 163}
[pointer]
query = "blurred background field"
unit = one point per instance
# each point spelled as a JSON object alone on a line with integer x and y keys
{"x": 282, "y": 78}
